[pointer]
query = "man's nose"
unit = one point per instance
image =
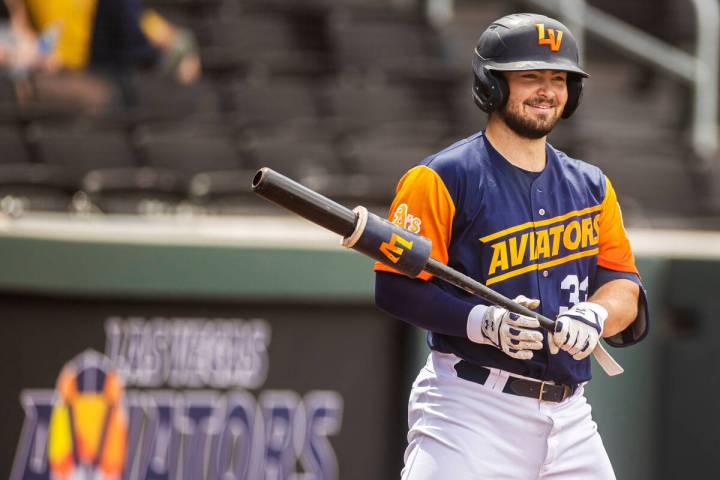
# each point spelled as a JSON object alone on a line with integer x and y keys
{"x": 545, "y": 89}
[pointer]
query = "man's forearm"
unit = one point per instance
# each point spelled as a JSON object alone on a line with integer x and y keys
{"x": 422, "y": 304}
{"x": 620, "y": 299}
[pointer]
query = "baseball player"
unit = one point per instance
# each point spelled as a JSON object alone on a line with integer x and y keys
{"x": 499, "y": 397}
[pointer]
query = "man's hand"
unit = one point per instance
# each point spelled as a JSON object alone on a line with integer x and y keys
{"x": 514, "y": 334}
{"x": 578, "y": 330}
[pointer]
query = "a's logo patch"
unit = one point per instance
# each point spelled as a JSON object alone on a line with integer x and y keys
{"x": 553, "y": 38}
{"x": 87, "y": 435}
{"x": 392, "y": 250}
{"x": 404, "y": 219}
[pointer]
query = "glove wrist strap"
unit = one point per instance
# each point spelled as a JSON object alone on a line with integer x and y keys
{"x": 474, "y": 324}
{"x": 596, "y": 308}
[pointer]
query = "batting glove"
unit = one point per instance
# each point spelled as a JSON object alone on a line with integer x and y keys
{"x": 578, "y": 330}
{"x": 512, "y": 333}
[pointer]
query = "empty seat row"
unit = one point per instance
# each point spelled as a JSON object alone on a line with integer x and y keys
{"x": 201, "y": 166}
{"x": 193, "y": 148}
{"x": 349, "y": 102}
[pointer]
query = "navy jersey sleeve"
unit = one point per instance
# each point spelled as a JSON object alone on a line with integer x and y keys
{"x": 424, "y": 203}
{"x": 422, "y": 304}
{"x": 616, "y": 260}
{"x": 637, "y": 330}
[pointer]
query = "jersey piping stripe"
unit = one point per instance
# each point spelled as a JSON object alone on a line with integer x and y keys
{"x": 540, "y": 223}
{"x": 538, "y": 266}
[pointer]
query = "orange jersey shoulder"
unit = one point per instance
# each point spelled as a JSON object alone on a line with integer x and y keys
{"x": 615, "y": 252}
{"x": 423, "y": 205}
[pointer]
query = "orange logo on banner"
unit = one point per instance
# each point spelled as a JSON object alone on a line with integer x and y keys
{"x": 551, "y": 40}
{"x": 87, "y": 435}
{"x": 391, "y": 247}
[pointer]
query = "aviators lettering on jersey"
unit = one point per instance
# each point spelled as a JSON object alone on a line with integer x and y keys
{"x": 543, "y": 244}
{"x": 498, "y": 249}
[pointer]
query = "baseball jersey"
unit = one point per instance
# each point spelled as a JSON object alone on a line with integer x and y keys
{"x": 541, "y": 235}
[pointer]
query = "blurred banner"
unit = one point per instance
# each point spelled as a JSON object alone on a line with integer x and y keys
{"x": 111, "y": 390}
{"x": 252, "y": 350}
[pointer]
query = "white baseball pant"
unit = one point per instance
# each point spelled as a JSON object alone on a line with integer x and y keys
{"x": 461, "y": 430}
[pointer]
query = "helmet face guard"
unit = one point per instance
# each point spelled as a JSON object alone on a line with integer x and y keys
{"x": 521, "y": 42}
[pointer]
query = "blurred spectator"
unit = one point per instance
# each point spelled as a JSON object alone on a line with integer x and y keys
{"x": 82, "y": 51}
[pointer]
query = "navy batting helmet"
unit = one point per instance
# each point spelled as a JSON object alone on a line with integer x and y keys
{"x": 524, "y": 41}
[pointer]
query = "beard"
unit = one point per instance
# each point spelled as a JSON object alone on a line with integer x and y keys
{"x": 526, "y": 126}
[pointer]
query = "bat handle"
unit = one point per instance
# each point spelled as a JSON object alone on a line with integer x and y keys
{"x": 471, "y": 285}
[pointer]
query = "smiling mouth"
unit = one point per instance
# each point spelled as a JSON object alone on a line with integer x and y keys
{"x": 542, "y": 110}
{"x": 542, "y": 106}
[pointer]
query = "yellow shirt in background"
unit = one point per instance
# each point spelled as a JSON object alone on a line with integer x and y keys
{"x": 74, "y": 20}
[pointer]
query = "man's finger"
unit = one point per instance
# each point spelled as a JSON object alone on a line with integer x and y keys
{"x": 527, "y": 345}
{"x": 522, "y": 321}
{"x": 580, "y": 342}
{"x": 520, "y": 354}
{"x": 585, "y": 352}
{"x": 531, "y": 303}
{"x": 566, "y": 338}
{"x": 522, "y": 334}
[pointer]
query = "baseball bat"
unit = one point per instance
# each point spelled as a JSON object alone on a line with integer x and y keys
{"x": 319, "y": 209}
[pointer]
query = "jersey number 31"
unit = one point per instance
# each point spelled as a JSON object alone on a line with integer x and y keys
{"x": 578, "y": 291}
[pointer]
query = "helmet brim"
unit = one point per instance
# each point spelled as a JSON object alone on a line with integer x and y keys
{"x": 534, "y": 65}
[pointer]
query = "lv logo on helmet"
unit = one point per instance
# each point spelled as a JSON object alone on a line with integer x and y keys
{"x": 551, "y": 40}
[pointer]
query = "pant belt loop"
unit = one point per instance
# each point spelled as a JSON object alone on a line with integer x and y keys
{"x": 501, "y": 381}
{"x": 491, "y": 379}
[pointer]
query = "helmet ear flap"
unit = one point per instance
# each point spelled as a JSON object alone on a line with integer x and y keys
{"x": 574, "y": 89}
{"x": 490, "y": 90}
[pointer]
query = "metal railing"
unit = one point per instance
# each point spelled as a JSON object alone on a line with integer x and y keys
{"x": 700, "y": 70}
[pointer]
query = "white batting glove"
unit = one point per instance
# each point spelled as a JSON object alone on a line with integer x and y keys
{"x": 512, "y": 333}
{"x": 578, "y": 330}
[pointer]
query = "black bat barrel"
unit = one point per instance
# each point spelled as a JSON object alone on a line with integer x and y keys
{"x": 307, "y": 203}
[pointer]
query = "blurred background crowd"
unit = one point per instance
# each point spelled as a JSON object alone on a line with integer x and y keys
{"x": 167, "y": 106}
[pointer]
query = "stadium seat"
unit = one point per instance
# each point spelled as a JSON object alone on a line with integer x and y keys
{"x": 254, "y": 41}
{"x": 153, "y": 98}
{"x": 30, "y": 187}
{"x": 8, "y": 101}
{"x": 185, "y": 13}
{"x": 297, "y": 158}
{"x": 385, "y": 45}
{"x": 354, "y": 105}
{"x": 188, "y": 148}
{"x": 274, "y": 103}
{"x": 228, "y": 191}
{"x": 322, "y": 4}
{"x": 388, "y": 160}
{"x": 80, "y": 148}
{"x": 135, "y": 190}
{"x": 13, "y": 146}
{"x": 665, "y": 186}
{"x": 377, "y": 162}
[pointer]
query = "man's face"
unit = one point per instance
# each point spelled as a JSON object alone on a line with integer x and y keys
{"x": 536, "y": 101}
